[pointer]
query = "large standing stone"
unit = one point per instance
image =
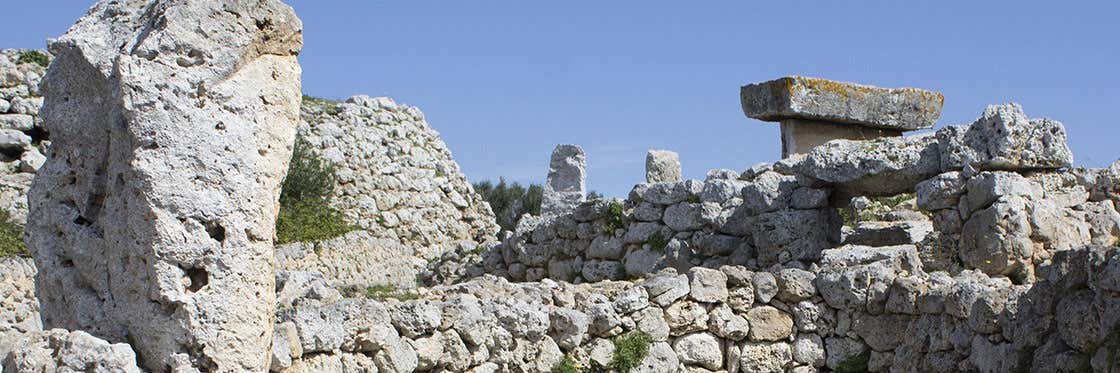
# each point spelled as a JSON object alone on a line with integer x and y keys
{"x": 567, "y": 180}
{"x": 662, "y": 166}
{"x": 152, "y": 221}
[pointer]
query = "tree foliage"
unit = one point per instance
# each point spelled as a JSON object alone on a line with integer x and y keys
{"x": 305, "y": 211}
{"x": 510, "y": 200}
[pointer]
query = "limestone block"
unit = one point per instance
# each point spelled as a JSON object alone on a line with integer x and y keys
{"x": 566, "y": 187}
{"x": 152, "y": 219}
{"x": 662, "y": 166}
{"x": 800, "y": 136}
{"x": 1004, "y": 139}
{"x": 900, "y": 109}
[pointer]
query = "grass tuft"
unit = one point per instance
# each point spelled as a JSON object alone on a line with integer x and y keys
{"x": 657, "y": 242}
{"x": 11, "y": 238}
{"x": 327, "y": 106}
{"x": 305, "y": 211}
{"x": 35, "y": 57}
{"x": 629, "y": 350}
{"x": 568, "y": 365}
{"x": 380, "y": 293}
{"x": 612, "y": 220}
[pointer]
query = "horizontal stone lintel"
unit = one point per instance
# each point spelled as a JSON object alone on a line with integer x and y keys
{"x": 794, "y": 97}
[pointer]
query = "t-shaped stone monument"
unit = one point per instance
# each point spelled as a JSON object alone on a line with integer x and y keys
{"x": 813, "y": 111}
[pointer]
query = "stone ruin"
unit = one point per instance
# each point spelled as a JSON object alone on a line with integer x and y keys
{"x": 972, "y": 248}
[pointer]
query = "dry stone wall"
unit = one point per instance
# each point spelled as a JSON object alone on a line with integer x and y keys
{"x": 22, "y": 138}
{"x": 860, "y": 309}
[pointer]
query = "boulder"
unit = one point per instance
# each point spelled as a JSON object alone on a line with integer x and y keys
{"x": 159, "y": 225}
{"x": 566, "y": 187}
{"x": 59, "y": 350}
{"x": 881, "y": 167}
{"x": 662, "y": 166}
{"x": 1004, "y": 139}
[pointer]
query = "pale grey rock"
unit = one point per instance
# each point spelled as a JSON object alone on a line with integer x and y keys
{"x": 666, "y": 193}
{"x": 633, "y": 299}
{"x": 567, "y": 180}
{"x": 721, "y": 190}
{"x": 326, "y": 327}
{"x": 1078, "y": 322}
{"x": 660, "y": 358}
{"x": 940, "y": 192}
{"x": 18, "y": 122}
{"x": 741, "y": 299}
{"x": 605, "y": 247}
{"x": 1003, "y": 139}
{"x": 808, "y": 349}
{"x": 285, "y": 346}
{"x": 765, "y": 286}
{"x": 997, "y": 239}
{"x": 641, "y": 262}
{"x": 12, "y": 140}
{"x": 569, "y": 327}
{"x": 699, "y": 349}
{"x": 59, "y": 350}
{"x": 605, "y": 322}
{"x": 840, "y": 349}
{"x": 881, "y": 167}
{"x": 648, "y": 212}
{"x": 683, "y": 217}
{"x": 666, "y": 289}
{"x": 662, "y": 166}
{"x": 31, "y": 160}
{"x": 809, "y": 198}
{"x": 600, "y": 351}
{"x": 769, "y": 324}
{"x": 651, "y": 320}
{"x": 883, "y": 332}
{"x": 810, "y": 317}
{"x": 889, "y": 233}
{"x": 726, "y": 324}
{"x": 765, "y": 357}
{"x": 415, "y": 318}
{"x": 987, "y": 187}
{"x": 795, "y": 285}
{"x": 599, "y": 270}
{"x": 355, "y": 258}
{"x": 522, "y": 319}
{"x": 707, "y": 285}
{"x": 840, "y": 102}
{"x": 176, "y": 198}
{"x": 686, "y": 317}
{"x": 1104, "y": 222}
{"x": 397, "y": 357}
{"x": 786, "y": 235}
{"x": 769, "y": 191}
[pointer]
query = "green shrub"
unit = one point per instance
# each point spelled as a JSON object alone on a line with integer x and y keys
{"x": 305, "y": 211}
{"x": 567, "y": 366}
{"x": 379, "y": 292}
{"x": 854, "y": 364}
{"x": 629, "y": 350}
{"x": 327, "y": 106}
{"x": 11, "y": 237}
{"x": 35, "y": 57}
{"x": 657, "y": 242}
{"x": 612, "y": 220}
{"x": 510, "y": 200}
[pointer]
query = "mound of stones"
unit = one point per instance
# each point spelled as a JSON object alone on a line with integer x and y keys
{"x": 398, "y": 183}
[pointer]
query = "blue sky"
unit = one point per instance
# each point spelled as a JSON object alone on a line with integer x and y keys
{"x": 504, "y": 81}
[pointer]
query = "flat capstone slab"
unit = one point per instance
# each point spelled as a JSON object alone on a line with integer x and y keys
{"x": 795, "y": 97}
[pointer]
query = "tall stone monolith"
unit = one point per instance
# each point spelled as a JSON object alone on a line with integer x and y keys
{"x": 566, "y": 187}
{"x": 152, "y": 221}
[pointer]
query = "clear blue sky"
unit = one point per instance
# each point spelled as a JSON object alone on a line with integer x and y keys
{"x": 504, "y": 81}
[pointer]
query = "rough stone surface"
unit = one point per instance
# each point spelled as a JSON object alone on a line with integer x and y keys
{"x": 663, "y": 166}
{"x": 153, "y": 215}
{"x": 1004, "y": 139}
{"x": 881, "y": 167}
{"x": 839, "y": 102}
{"x": 567, "y": 180}
{"x": 59, "y": 350}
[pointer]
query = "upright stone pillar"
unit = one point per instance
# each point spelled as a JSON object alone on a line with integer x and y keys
{"x": 152, "y": 220}
{"x": 814, "y": 111}
{"x": 567, "y": 180}
{"x": 662, "y": 166}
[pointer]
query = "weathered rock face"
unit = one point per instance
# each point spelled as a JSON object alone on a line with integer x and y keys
{"x": 663, "y": 166}
{"x": 1004, "y": 139}
{"x": 839, "y": 102}
{"x": 567, "y": 180}
{"x": 398, "y": 183}
{"x": 59, "y": 350}
{"x": 152, "y": 220}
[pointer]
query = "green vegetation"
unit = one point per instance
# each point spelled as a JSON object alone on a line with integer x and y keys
{"x": 510, "y": 201}
{"x": 379, "y": 292}
{"x": 629, "y": 350}
{"x": 612, "y": 219}
{"x": 876, "y": 210}
{"x": 657, "y": 242}
{"x": 593, "y": 195}
{"x": 567, "y": 366}
{"x": 11, "y": 238}
{"x": 35, "y": 57}
{"x": 854, "y": 364}
{"x": 305, "y": 211}
{"x": 327, "y": 106}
